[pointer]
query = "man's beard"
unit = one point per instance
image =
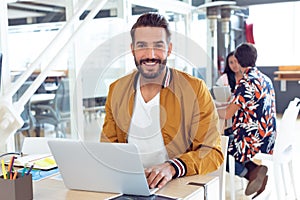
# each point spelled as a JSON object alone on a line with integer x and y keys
{"x": 162, "y": 65}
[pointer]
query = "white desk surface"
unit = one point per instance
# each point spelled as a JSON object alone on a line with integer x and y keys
{"x": 36, "y": 98}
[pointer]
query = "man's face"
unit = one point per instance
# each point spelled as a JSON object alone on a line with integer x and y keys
{"x": 150, "y": 51}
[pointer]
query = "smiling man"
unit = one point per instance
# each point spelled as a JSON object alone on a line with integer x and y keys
{"x": 167, "y": 113}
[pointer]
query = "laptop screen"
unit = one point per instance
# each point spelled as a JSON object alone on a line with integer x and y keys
{"x": 100, "y": 167}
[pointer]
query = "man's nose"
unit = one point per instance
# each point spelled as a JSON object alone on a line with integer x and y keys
{"x": 150, "y": 52}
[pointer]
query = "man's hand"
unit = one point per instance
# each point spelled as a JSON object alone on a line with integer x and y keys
{"x": 159, "y": 175}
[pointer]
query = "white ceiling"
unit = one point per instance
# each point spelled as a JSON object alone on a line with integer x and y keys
{"x": 34, "y": 8}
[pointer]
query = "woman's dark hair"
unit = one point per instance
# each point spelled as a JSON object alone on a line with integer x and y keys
{"x": 246, "y": 54}
{"x": 151, "y": 19}
{"x": 229, "y": 72}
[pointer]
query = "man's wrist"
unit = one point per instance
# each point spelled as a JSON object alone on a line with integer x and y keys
{"x": 173, "y": 169}
{"x": 179, "y": 167}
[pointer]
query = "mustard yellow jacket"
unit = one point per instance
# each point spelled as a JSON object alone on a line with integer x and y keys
{"x": 188, "y": 119}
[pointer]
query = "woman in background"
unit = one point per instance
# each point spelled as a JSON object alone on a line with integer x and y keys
{"x": 230, "y": 77}
{"x": 231, "y": 74}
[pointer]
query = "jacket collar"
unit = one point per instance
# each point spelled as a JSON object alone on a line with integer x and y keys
{"x": 166, "y": 80}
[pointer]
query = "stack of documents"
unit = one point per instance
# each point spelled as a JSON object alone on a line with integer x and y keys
{"x": 40, "y": 161}
{"x": 38, "y": 174}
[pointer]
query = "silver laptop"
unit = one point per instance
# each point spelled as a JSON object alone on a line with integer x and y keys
{"x": 100, "y": 167}
{"x": 222, "y": 93}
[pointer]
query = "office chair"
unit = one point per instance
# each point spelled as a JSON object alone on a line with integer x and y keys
{"x": 26, "y": 115}
{"x": 283, "y": 152}
{"x": 56, "y": 112}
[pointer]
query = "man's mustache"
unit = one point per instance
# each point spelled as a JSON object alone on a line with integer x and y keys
{"x": 150, "y": 60}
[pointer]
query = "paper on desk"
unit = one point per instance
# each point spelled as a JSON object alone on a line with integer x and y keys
{"x": 57, "y": 177}
{"x": 38, "y": 174}
{"x": 40, "y": 161}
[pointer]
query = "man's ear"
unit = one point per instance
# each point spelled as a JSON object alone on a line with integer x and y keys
{"x": 170, "y": 46}
{"x": 132, "y": 50}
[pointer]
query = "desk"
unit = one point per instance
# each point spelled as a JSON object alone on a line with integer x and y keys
{"x": 41, "y": 98}
{"x": 53, "y": 77}
{"x": 53, "y": 74}
{"x": 50, "y": 189}
{"x": 284, "y": 76}
{"x": 287, "y": 73}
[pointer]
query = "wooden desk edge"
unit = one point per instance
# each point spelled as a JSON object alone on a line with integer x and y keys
{"x": 287, "y": 75}
{"x": 286, "y": 79}
{"x": 179, "y": 188}
{"x": 287, "y": 72}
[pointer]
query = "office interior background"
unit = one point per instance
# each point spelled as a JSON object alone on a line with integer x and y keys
{"x": 69, "y": 51}
{"x": 87, "y": 43}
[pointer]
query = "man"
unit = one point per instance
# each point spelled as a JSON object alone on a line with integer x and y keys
{"x": 168, "y": 114}
{"x": 254, "y": 123}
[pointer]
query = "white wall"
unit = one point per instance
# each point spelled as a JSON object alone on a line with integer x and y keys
{"x": 276, "y": 29}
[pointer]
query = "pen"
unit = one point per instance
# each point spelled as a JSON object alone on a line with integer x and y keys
{"x": 15, "y": 175}
{"x": 3, "y": 169}
{"x": 29, "y": 170}
{"x": 10, "y": 166}
{"x": 23, "y": 171}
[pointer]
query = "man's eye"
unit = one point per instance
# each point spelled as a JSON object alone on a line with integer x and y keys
{"x": 140, "y": 46}
{"x": 159, "y": 46}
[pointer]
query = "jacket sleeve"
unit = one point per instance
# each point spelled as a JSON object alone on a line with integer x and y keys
{"x": 109, "y": 133}
{"x": 204, "y": 154}
{"x": 118, "y": 108}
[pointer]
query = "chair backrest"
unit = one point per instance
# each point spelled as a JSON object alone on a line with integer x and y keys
{"x": 221, "y": 172}
{"x": 286, "y": 131}
{"x": 62, "y": 97}
{"x": 26, "y": 115}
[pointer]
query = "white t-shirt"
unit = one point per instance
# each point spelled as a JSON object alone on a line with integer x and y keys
{"x": 145, "y": 131}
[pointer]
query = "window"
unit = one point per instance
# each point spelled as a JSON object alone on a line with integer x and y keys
{"x": 276, "y": 28}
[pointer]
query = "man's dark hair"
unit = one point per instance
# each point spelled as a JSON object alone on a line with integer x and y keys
{"x": 151, "y": 19}
{"x": 246, "y": 54}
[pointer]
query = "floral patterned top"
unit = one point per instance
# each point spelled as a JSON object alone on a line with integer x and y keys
{"x": 254, "y": 124}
